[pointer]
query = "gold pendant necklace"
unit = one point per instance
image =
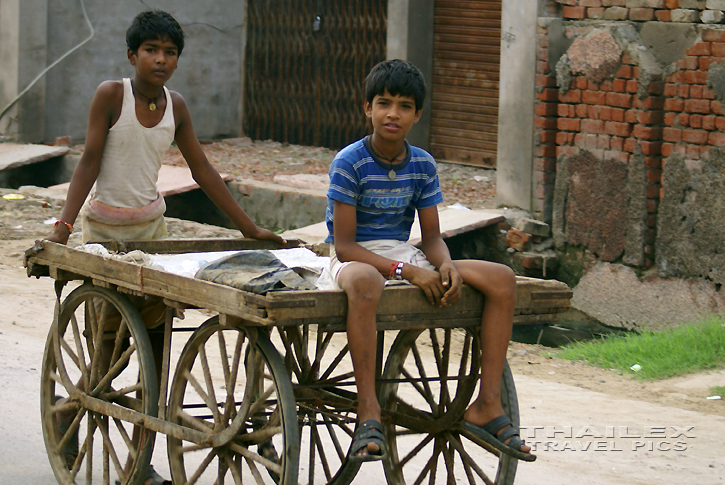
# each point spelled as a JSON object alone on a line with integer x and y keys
{"x": 152, "y": 102}
{"x": 391, "y": 173}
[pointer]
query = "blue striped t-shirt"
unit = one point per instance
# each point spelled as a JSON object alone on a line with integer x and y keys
{"x": 385, "y": 208}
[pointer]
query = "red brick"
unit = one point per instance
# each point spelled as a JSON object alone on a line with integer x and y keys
{"x": 653, "y": 162}
{"x": 672, "y": 134}
{"x": 590, "y": 3}
{"x": 651, "y": 147}
{"x": 706, "y": 62}
{"x": 683, "y": 119}
{"x": 635, "y": 72}
{"x": 595, "y": 13}
{"x": 572, "y": 110}
{"x": 716, "y": 107}
{"x": 648, "y": 103}
{"x": 716, "y": 139}
{"x": 667, "y": 149}
{"x": 629, "y": 60}
{"x": 616, "y": 143}
{"x": 546, "y": 109}
{"x": 630, "y": 145}
{"x": 603, "y": 142}
{"x": 580, "y": 140}
{"x": 605, "y": 113}
{"x": 592, "y": 86}
{"x": 624, "y": 72}
{"x": 708, "y": 122}
{"x": 542, "y": 67}
{"x": 548, "y": 136}
{"x": 592, "y": 126}
{"x": 720, "y": 123}
{"x": 605, "y": 85}
{"x": 567, "y": 124}
{"x": 696, "y": 77}
{"x": 650, "y": 117}
{"x": 697, "y": 106}
{"x": 619, "y": 85}
{"x": 646, "y": 133}
{"x": 718, "y": 49}
{"x": 670, "y": 118}
{"x": 715, "y": 35}
{"x": 683, "y": 91}
{"x": 593, "y": 112}
{"x": 699, "y": 49}
{"x": 581, "y": 82}
{"x": 562, "y": 109}
{"x": 581, "y": 110}
{"x": 516, "y": 239}
{"x": 548, "y": 94}
{"x": 573, "y": 96}
{"x": 545, "y": 151}
{"x": 653, "y": 177}
{"x": 619, "y": 100}
{"x": 670, "y": 90}
{"x": 573, "y": 12}
{"x": 544, "y": 123}
{"x": 617, "y": 129}
{"x": 594, "y": 97}
{"x": 615, "y": 155}
{"x": 562, "y": 138}
{"x": 630, "y": 116}
{"x": 641, "y": 14}
{"x": 632, "y": 85}
{"x": 545, "y": 81}
{"x": 656, "y": 88}
{"x": 696, "y": 91}
{"x": 617, "y": 115}
{"x": 689, "y": 62}
{"x": 696, "y": 121}
{"x": 678, "y": 77}
{"x": 653, "y": 191}
{"x": 652, "y": 205}
{"x": 698, "y": 137}
{"x": 663, "y": 15}
{"x": 592, "y": 141}
{"x": 707, "y": 93}
{"x": 567, "y": 151}
{"x": 672, "y": 104}
{"x": 692, "y": 152}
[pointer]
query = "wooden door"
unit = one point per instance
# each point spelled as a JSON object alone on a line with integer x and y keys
{"x": 466, "y": 57}
{"x": 306, "y": 61}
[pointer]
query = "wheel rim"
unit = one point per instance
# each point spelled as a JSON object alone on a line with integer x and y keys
{"x": 324, "y": 387}
{"x": 231, "y": 382}
{"x": 74, "y": 371}
{"x": 429, "y": 379}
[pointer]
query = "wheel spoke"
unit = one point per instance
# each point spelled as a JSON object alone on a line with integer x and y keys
{"x": 230, "y": 407}
{"x": 468, "y": 462}
{"x": 336, "y": 361}
{"x": 202, "y": 467}
{"x": 234, "y": 466}
{"x": 255, "y": 473}
{"x": 197, "y": 387}
{"x": 427, "y": 439}
{"x": 107, "y": 445}
{"x": 126, "y": 438}
{"x": 244, "y": 451}
{"x": 315, "y": 438}
{"x": 209, "y": 384}
{"x": 114, "y": 371}
{"x": 428, "y": 395}
{"x": 194, "y": 422}
{"x": 81, "y": 354}
{"x": 333, "y": 437}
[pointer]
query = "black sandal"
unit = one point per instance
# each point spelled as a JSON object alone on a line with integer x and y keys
{"x": 371, "y": 431}
{"x": 496, "y": 432}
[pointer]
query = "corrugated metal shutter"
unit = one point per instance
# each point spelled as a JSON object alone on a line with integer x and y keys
{"x": 466, "y": 57}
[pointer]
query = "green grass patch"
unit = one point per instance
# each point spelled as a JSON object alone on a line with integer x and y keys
{"x": 682, "y": 350}
{"x": 717, "y": 391}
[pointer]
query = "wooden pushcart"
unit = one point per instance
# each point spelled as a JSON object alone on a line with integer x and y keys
{"x": 263, "y": 391}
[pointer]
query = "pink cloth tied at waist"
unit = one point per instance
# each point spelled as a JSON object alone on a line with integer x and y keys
{"x": 122, "y": 216}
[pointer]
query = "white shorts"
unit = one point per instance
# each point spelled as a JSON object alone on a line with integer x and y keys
{"x": 388, "y": 248}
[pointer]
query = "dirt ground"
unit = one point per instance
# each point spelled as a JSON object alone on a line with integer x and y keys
{"x": 556, "y": 397}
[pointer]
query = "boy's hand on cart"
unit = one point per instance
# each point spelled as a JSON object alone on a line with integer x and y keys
{"x": 60, "y": 236}
{"x": 452, "y": 281}
{"x": 427, "y": 280}
{"x": 266, "y": 234}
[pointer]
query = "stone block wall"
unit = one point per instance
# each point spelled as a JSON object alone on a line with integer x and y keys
{"x": 625, "y": 87}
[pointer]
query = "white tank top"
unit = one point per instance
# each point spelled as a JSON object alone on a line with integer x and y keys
{"x": 132, "y": 156}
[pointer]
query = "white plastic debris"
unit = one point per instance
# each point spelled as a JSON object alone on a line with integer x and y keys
{"x": 713, "y": 398}
{"x": 481, "y": 178}
{"x": 96, "y": 249}
{"x": 636, "y": 367}
{"x": 458, "y": 206}
{"x": 50, "y": 221}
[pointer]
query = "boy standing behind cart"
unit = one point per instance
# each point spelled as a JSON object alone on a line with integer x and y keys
{"x": 131, "y": 124}
{"x": 376, "y": 186}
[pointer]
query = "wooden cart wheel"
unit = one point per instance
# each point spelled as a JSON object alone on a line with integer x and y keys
{"x": 231, "y": 381}
{"x": 324, "y": 386}
{"x": 429, "y": 379}
{"x": 97, "y": 357}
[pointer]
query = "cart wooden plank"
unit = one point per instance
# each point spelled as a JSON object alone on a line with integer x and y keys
{"x": 538, "y": 301}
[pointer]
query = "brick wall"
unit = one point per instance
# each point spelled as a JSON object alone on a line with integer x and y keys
{"x": 683, "y": 11}
{"x": 675, "y": 113}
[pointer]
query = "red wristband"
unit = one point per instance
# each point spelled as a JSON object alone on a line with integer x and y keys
{"x": 66, "y": 224}
{"x": 396, "y": 270}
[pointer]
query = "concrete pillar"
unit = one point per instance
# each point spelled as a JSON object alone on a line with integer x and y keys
{"x": 514, "y": 180}
{"x": 23, "y": 55}
{"x": 410, "y": 37}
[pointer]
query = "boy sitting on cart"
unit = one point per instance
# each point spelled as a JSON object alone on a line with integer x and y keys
{"x": 376, "y": 186}
{"x": 131, "y": 124}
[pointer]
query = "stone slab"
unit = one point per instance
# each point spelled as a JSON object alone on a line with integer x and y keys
{"x": 452, "y": 222}
{"x": 13, "y": 155}
{"x": 172, "y": 180}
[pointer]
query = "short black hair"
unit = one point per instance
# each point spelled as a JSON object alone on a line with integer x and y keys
{"x": 400, "y": 78}
{"x": 154, "y": 24}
